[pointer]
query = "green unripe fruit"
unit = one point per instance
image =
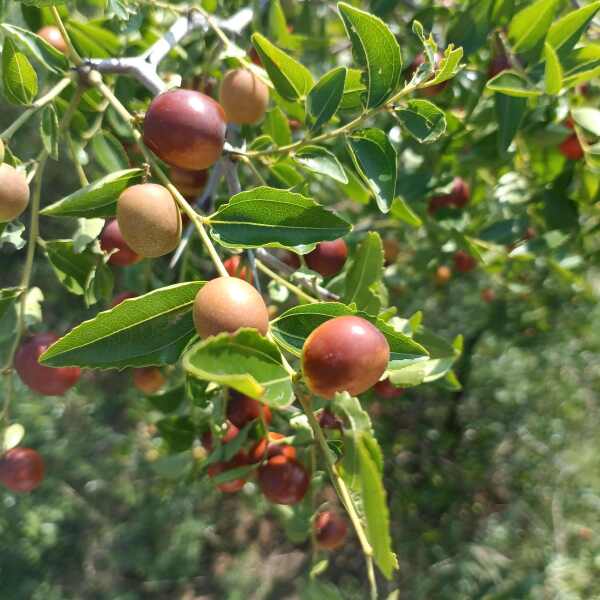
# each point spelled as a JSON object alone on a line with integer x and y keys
{"x": 14, "y": 193}
{"x": 149, "y": 219}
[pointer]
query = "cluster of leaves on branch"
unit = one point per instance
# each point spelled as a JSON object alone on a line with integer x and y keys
{"x": 250, "y": 148}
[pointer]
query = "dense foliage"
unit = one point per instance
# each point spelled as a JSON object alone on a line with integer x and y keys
{"x": 299, "y": 299}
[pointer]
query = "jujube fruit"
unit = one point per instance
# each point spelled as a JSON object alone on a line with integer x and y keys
{"x": 189, "y": 183}
{"x": 53, "y": 36}
{"x": 235, "y": 485}
{"x": 243, "y": 96}
{"x": 14, "y": 193}
{"x": 149, "y": 219}
{"x": 148, "y": 379}
{"x": 443, "y": 274}
{"x": 461, "y": 192}
{"x": 226, "y": 304}
{"x": 344, "y": 354}
{"x": 21, "y": 469}
{"x": 242, "y": 409}
{"x": 571, "y": 148}
{"x": 283, "y": 480}
{"x": 331, "y": 530}
{"x": 488, "y": 295}
{"x": 39, "y": 378}
{"x": 266, "y": 448}
{"x": 231, "y": 432}
{"x": 327, "y": 420}
{"x": 235, "y": 267}
{"x": 464, "y": 262}
{"x": 386, "y": 389}
{"x": 112, "y": 239}
{"x": 328, "y": 258}
{"x": 185, "y": 128}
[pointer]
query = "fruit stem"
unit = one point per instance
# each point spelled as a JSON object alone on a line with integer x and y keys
{"x": 71, "y": 52}
{"x": 31, "y": 246}
{"x": 336, "y": 479}
{"x": 194, "y": 217}
{"x": 39, "y": 103}
{"x": 284, "y": 282}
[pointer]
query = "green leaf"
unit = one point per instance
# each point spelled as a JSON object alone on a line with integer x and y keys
{"x": 49, "y": 131}
{"x": 18, "y": 77}
{"x": 355, "y": 189}
{"x": 588, "y": 118}
{"x": 510, "y": 112}
{"x": 80, "y": 272}
{"x": 364, "y": 272}
{"x": 375, "y": 159}
{"x": 169, "y": 400}
{"x": 290, "y": 78}
{"x": 91, "y": 39}
{"x": 148, "y": 330}
{"x": 8, "y": 297}
{"x": 325, "y": 97}
{"x": 37, "y": 48}
{"x": 528, "y": 28}
{"x": 581, "y": 65}
{"x": 401, "y": 210}
{"x": 321, "y": 161}
{"x": 354, "y": 89}
{"x": 291, "y": 329}
{"x": 423, "y": 120}
{"x": 109, "y": 152}
{"x": 87, "y": 231}
{"x": 277, "y": 126}
{"x": 267, "y": 216}
{"x": 512, "y": 83}
{"x": 565, "y": 33}
{"x": 98, "y": 199}
{"x": 12, "y": 233}
{"x": 375, "y": 49}
{"x": 448, "y": 66}
{"x": 553, "y": 73}
{"x": 246, "y": 362}
{"x": 178, "y": 432}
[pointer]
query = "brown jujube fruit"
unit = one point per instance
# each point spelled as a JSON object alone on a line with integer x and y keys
{"x": 344, "y": 354}
{"x": 235, "y": 267}
{"x": 464, "y": 262}
{"x": 54, "y": 37}
{"x": 39, "y": 378}
{"x": 14, "y": 193}
{"x": 148, "y": 379}
{"x": 21, "y": 469}
{"x": 189, "y": 183}
{"x": 243, "y": 96}
{"x": 112, "y": 239}
{"x": 231, "y": 432}
{"x": 386, "y": 389}
{"x": 242, "y": 409}
{"x": 443, "y": 274}
{"x": 235, "y": 485}
{"x": 149, "y": 219}
{"x": 226, "y": 304}
{"x": 283, "y": 480}
{"x": 185, "y": 128}
{"x": 330, "y": 530}
{"x": 267, "y": 449}
{"x": 328, "y": 258}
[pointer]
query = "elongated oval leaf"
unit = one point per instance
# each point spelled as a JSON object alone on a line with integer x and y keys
{"x": 565, "y": 33}
{"x": 267, "y": 216}
{"x": 291, "y": 329}
{"x": 354, "y": 89}
{"x": 99, "y": 199}
{"x": 325, "y": 97}
{"x": 18, "y": 77}
{"x": 322, "y": 161}
{"x": 512, "y": 83}
{"x": 448, "y": 66}
{"x": 529, "y": 27}
{"x": 148, "y": 330}
{"x": 290, "y": 78}
{"x": 277, "y": 127}
{"x": 510, "y": 112}
{"x": 49, "y": 131}
{"x": 38, "y": 48}
{"x": 375, "y": 159}
{"x": 375, "y": 49}
{"x": 423, "y": 120}
{"x": 246, "y": 362}
{"x": 109, "y": 152}
{"x": 553, "y": 73}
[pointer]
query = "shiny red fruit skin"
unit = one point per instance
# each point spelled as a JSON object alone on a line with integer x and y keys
{"x": 344, "y": 354}
{"x": 21, "y": 469}
{"x": 242, "y": 409}
{"x": 233, "y": 265}
{"x": 571, "y": 148}
{"x": 235, "y": 485}
{"x": 111, "y": 239}
{"x": 330, "y": 530}
{"x": 438, "y": 202}
{"x": 185, "y": 128}
{"x": 464, "y": 262}
{"x": 148, "y": 380}
{"x": 260, "y": 449}
{"x": 120, "y": 297}
{"x": 283, "y": 480}
{"x": 387, "y": 390}
{"x": 230, "y": 433}
{"x": 461, "y": 193}
{"x": 44, "y": 380}
{"x": 328, "y": 258}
